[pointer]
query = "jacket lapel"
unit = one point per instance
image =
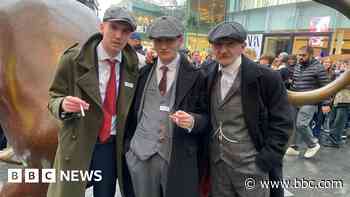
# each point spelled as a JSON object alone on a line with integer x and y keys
{"x": 127, "y": 84}
{"x": 87, "y": 59}
{"x": 212, "y": 77}
{"x": 250, "y": 92}
{"x": 88, "y": 82}
{"x": 144, "y": 78}
{"x": 186, "y": 77}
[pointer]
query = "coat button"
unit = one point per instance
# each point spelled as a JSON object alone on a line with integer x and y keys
{"x": 66, "y": 158}
{"x": 74, "y": 137}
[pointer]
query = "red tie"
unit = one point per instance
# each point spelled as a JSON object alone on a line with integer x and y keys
{"x": 109, "y": 104}
{"x": 163, "y": 80}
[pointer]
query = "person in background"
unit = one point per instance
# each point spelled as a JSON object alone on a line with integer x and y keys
{"x": 135, "y": 42}
{"x": 324, "y": 120}
{"x": 207, "y": 65}
{"x": 283, "y": 55}
{"x": 338, "y": 68}
{"x": 196, "y": 59}
{"x": 250, "y": 53}
{"x": 341, "y": 111}
{"x": 209, "y": 57}
{"x": 309, "y": 74}
{"x": 291, "y": 62}
{"x": 186, "y": 52}
{"x": 282, "y": 62}
{"x": 266, "y": 59}
{"x": 328, "y": 66}
{"x": 279, "y": 64}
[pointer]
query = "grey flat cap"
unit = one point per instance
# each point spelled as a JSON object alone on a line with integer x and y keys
{"x": 115, "y": 13}
{"x": 165, "y": 27}
{"x": 231, "y": 30}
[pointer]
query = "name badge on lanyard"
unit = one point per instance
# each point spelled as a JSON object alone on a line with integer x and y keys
{"x": 164, "y": 108}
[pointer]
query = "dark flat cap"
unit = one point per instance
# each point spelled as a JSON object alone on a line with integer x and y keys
{"x": 115, "y": 13}
{"x": 230, "y": 30}
{"x": 165, "y": 27}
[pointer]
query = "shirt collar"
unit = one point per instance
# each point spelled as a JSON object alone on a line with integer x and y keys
{"x": 172, "y": 65}
{"x": 102, "y": 54}
{"x": 232, "y": 68}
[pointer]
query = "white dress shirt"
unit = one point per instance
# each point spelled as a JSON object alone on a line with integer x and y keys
{"x": 229, "y": 74}
{"x": 171, "y": 74}
{"x": 104, "y": 72}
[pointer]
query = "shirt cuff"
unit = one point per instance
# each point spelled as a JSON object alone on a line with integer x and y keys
{"x": 190, "y": 129}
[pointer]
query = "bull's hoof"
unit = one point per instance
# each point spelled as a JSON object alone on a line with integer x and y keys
{"x": 8, "y": 155}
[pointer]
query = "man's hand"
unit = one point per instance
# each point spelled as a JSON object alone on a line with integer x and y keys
{"x": 150, "y": 55}
{"x": 72, "y": 104}
{"x": 182, "y": 119}
{"x": 326, "y": 109}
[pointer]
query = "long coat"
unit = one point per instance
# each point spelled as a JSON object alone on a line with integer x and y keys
{"x": 267, "y": 115}
{"x": 77, "y": 76}
{"x": 190, "y": 96}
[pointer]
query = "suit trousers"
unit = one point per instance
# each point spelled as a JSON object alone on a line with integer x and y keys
{"x": 149, "y": 177}
{"x": 104, "y": 159}
{"x": 227, "y": 182}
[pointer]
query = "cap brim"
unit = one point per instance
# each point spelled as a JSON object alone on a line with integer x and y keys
{"x": 133, "y": 27}
{"x": 167, "y": 36}
{"x": 220, "y": 39}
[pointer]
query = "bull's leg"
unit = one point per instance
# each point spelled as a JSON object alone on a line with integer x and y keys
{"x": 8, "y": 155}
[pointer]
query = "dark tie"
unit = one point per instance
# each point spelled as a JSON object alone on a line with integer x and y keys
{"x": 109, "y": 104}
{"x": 163, "y": 80}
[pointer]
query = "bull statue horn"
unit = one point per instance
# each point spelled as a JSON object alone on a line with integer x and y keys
{"x": 318, "y": 95}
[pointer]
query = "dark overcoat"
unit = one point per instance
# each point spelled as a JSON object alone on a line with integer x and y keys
{"x": 266, "y": 113}
{"x": 190, "y": 96}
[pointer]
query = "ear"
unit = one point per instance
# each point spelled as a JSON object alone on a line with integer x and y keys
{"x": 102, "y": 27}
{"x": 181, "y": 41}
{"x": 244, "y": 44}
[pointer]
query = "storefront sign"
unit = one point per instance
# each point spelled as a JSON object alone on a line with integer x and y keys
{"x": 319, "y": 24}
{"x": 317, "y": 41}
{"x": 255, "y": 41}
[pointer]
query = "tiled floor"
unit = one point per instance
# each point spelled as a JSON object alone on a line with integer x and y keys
{"x": 329, "y": 165}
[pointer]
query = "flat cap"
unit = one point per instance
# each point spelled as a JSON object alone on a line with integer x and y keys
{"x": 115, "y": 13}
{"x": 165, "y": 27}
{"x": 230, "y": 30}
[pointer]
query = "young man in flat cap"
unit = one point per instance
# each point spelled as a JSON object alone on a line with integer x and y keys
{"x": 250, "y": 116}
{"x": 169, "y": 116}
{"x": 91, "y": 94}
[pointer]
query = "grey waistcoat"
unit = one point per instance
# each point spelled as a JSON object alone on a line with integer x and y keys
{"x": 240, "y": 153}
{"x": 154, "y": 130}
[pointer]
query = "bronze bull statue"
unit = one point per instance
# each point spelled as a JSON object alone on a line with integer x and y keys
{"x": 33, "y": 35}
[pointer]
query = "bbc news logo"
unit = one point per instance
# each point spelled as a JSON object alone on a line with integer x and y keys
{"x": 32, "y": 175}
